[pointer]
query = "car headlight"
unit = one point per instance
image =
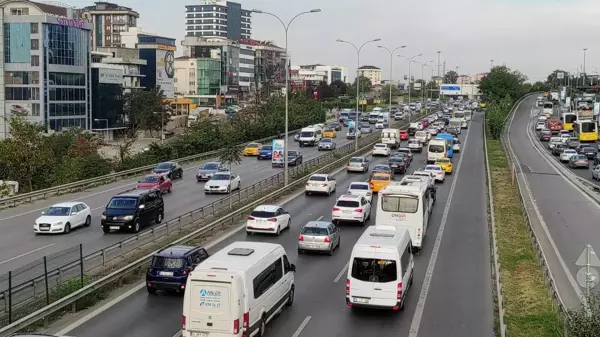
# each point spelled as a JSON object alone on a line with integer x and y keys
{"x": 103, "y": 217}
{"x": 128, "y": 217}
{"x": 58, "y": 223}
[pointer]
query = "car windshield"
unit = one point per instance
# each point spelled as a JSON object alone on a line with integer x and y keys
{"x": 306, "y": 134}
{"x": 292, "y": 153}
{"x": 329, "y": 130}
{"x": 359, "y": 187}
{"x": 356, "y": 160}
{"x": 263, "y": 214}
{"x": 167, "y": 262}
{"x": 326, "y": 140}
{"x": 268, "y": 148}
{"x": 149, "y": 179}
{"x": 58, "y": 211}
{"x": 252, "y": 146}
{"x": 381, "y": 177}
{"x": 374, "y": 270}
{"x": 589, "y": 149}
{"x": 443, "y": 161}
{"x": 210, "y": 166}
{"x": 396, "y": 160}
{"x": 380, "y": 145}
{"x": 433, "y": 168}
{"x": 317, "y": 178}
{"x": 348, "y": 203}
{"x": 414, "y": 141}
{"x": 570, "y": 151}
{"x": 163, "y": 166}
{"x": 579, "y": 157}
{"x": 315, "y": 231}
{"x": 381, "y": 168}
{"x": 220, "y": 177}
{"x": 122, "y": 203}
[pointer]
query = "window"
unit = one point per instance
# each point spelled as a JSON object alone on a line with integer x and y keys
{"x": 405, "y": 260}
{"x": 374, "y": 270}
{"x": 34, "y": 28}
{"x": 35, "y": 44}
{"x": 267, "y": 278}
{"x": 35, "y": 60}
{"x": 35, "y": 109}
{"x": 19, "y": 11}
{"x": 390, "y": 203}
{"x": 167, "y": 262}
{"x": 286, "y": 265}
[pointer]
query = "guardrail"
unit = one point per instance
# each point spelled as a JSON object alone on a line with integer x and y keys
{"x": 44, "y": 283}
{"x": 513, "y": 161}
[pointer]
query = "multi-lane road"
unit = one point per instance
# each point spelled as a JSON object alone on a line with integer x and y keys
{"x": 566, "y": 215}
{"x": 451, "y": 295}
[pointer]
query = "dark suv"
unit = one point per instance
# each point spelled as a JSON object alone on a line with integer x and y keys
{"x": 133, "y": 210}
{"x": 171, "y": 266}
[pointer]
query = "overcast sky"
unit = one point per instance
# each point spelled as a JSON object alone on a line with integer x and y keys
{"x": 533, "y": 36}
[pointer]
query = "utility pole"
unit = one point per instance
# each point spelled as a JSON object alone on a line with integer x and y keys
{"x": 439, "y": 52}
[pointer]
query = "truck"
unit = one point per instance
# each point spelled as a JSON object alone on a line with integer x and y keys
{"x": 391, "y": 137}
{"x": 554, "y": 125}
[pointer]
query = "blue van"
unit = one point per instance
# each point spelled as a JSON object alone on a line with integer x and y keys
{"x": 171, "y": 266}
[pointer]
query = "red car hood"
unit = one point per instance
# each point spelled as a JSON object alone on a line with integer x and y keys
{"x": 147, "y": 185}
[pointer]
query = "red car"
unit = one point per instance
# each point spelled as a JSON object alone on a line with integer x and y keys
{"x": 403, "y": 135}
{"x": 159, "y": 181}
{"x": 424, "y": 123}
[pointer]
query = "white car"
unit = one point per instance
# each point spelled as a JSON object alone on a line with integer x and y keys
{"x": 540, "y": 125}
{"x": 456, "y": 145}
{"x": 268, "y": 219}
{"x": 381, "y": 124}
{"x": 351, "y": 208}
{"x": 320, "y": 183}
{"x": 357, "y": 164}
{"x": 361, "y": 188}
{"x": 222, "y": 182}
{"x": 566, "y": 155}
{"x": 63, "y": 217}
{"x": 433, "y": 131}
{"x": 381, "y": 149}
{"x": 437, "y": 171}
{"x": 415, "y": 145}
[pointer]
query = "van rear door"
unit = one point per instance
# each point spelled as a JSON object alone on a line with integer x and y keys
{"x": 387, "y": 268}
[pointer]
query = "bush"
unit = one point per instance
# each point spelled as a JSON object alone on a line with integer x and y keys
{"x": 584, "y": 323}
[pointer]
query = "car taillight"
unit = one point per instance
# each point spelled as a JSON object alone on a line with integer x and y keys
{"x": 250, "y": 218}
{"x": 272, "y": 220}
{"x": 348, "y": 165}
{"x": 301, "y": 237}
{"x": 236, "y": 326}
{"x": 399, "y": 294}
{"x": 362, "y": 165}
{"x": 246, "y": 320}
{"x": 358, "y": 210}
{"x": 182, "y": 322}
{"x": 324, "y": 185}
{"x": 327, "y": 239}
{"x": 335, "y": 209}
{"x": 186, "y": 272}
{"x": 369, "y": 194}
{"x": 347, "y": 287}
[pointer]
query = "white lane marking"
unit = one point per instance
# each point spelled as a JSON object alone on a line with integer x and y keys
{"x": 416, "y": 322}
{"x": 320, "y": 218}
{"x": 302, "y": 326}
{"x": 25, "y": 254}
{"x": 344, "y": 270}
{"x": 178, "y": 334}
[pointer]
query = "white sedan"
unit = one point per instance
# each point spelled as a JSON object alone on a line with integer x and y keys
{"x": 320, "y": 183}
{"x": 566, "y": 155}
{"x": 222, "y": 182}
{"x": 361, "y": 188}
{"x": 437, "y": 172}
{"x": 268, "y": 219}
{"x": 381, "y": 149}
{"x": 61, "y": 218}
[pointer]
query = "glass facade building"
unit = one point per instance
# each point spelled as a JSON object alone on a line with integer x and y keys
{"x": 107, "y": 105}
{"x": 208, "y": 76}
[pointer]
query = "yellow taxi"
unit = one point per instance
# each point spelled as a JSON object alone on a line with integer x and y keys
{"x": 446, "y": 165}
{"x": 379, "y": 181}
{"x": 252, "y": 149}
{"x": 482, "y": 105}
{"x": 548, "y": 115}
{"x": 329, "y": 133}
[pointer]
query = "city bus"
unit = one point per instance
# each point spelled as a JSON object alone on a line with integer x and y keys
{"x": 586, "y": 130}
{"x": 568, "y": 119}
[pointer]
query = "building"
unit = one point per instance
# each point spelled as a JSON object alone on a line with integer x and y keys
{"x": 332, "y": 73}
{"x": 129, "y": 60}
{"x": 478, "y": 77}
{"x": 269, "y": 66}
{"x": 185, "y": 81}
{"x": 463, "y": 79}
{"x": 107, "y": 97}
{"x": 45, "y": 80}
{"x": 302, "y": 77}
{"x": 218, "y": 19}
{"x": 109, "y": 21}
{"x": 247, "y": 84}
{"x": 159, "y": 53}
{"x": 371, "y": 72}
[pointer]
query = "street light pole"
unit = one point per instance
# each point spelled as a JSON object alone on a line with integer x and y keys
{"x": 422, "y": 78}
{"x": 584, "y": 74}
{"x": 287, "y": 80}
{"x": 409, "y": 76}
{"x": 358, "y": 49}
{"x": 431, "y": 80}
{"x": 439, "y": 52}
{"x": 391, "y": 51}
{"x": 491, "y": 64}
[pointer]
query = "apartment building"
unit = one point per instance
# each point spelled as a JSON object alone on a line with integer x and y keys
{"x": 109, "y": 20}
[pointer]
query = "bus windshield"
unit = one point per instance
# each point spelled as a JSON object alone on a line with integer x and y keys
{"x": 548, "y": 105}
{"x": 570, "y": 118}
{"x": 588, "y": 127}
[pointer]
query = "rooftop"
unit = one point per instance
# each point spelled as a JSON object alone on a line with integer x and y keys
{"x": 108, "y": 6}
{"x": 257, "y": 43}
{"x": 51, "y": 9}
{"x": 368, "y": 67}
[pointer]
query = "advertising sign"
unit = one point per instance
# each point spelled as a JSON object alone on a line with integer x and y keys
{"x": 165, "y": 70}
{"x": 560, "y": 75}
{"x": 450, "y": 89}
{"x": 417, "y": 86}
{"x": 110, "y": 76}
{"x": 21, "y": 109}
{"x": 278, "y": 148}
{"x": 596, "y": 109}
{"x": 568, "y": 102}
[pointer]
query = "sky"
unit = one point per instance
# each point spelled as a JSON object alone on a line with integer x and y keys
{"x": 532, "y": 36}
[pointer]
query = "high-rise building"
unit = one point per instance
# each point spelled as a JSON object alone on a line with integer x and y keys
{"x": 218, "y": 19}
{"x": 109, "y": 20}
{"x": 46, "y": 76}
{"x": 371, "y": 72}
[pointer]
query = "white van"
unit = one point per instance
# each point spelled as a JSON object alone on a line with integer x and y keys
{"x": 238, "y": 290}
{"x": 437, "y": 149}
{"x": 373, "y": 117}
{"x": 422, "y": 136}
{"x": 381, "y": 269}
{"x": 391, "y": 137}
{"x": 406, "y": 204}
{"x": 310, "y": 136}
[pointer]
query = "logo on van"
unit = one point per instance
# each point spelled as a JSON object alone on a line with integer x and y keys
{"x": 210, "y": 299}
{"x": 209, "y": 293}
{"x": 399, "y": 216}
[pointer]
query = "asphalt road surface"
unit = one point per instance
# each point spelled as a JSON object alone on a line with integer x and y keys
{"x": 451, "y": 295}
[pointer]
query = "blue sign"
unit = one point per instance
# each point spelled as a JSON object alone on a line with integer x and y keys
{"x": 450, "y": 87}
{"x": 277, "y": 154}
{"x": 351, "y": 124}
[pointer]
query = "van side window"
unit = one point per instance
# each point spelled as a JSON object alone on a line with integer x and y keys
{"x": 278, "y": 270}
{"x": 405, "y": 260}
{"x": 267, "y": 278}
{"x": 286, "y": 265}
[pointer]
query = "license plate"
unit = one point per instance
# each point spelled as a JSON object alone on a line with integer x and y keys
{"x": 394, "y": 165}
{"x": 115, "y": 227}
{"x": 360, "y": 300}
{"x": 347, "y": 212}
{"x": 199, "y": 334}
{"x": 166, "y": 273}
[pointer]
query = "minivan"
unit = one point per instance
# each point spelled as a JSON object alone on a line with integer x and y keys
{"x": 133, "y": 210}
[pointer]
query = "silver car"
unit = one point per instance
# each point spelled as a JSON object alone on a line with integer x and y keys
{"x": 319, "y": 236}
{"x": 206, "y": 171}
{"x": 358, "y": 164}
{"x": 327, "y": 144}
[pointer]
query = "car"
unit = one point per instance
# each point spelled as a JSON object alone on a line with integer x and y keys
{"x": 133, "y": 210}
{"x": 158, "y": 181}
{"x": 295, "y": 158}
{"x": 578, "y": 161}
{"x": 573, "y": 142}
{"x": 381, "y": 124}
{"x": 62, "y": 217}
{"x": 252, "y": 149}
{"x": 405, "y": 157}
{"x": 366, "y": 129}
{"x": 381, "y": 149}
{"x": 223, "y": 182}
{"x": 361, "y": 188}
{"x": 327, "y": 144}
{"x": 558, "y": 149}
{"x": 596, "y": 172}
{"x": 171, "y": 266}
{"x": 357, "y": 164}
{"x": 415, "y": 146}
{"x": 406, "y": 150}
{"x": 544, "y": 137}
{"x": 336, "y": 126}
{"x": 297, "y": 137}
{"x": 272, "y": 219}
{"x": 351, "y": 208}
{"x": 318, "y": 236}
{"x": 540, "y": 125}
{"x": 446, "y": 164}
{"x": 566, "y": 155}
{"x": 397, "y": 164}
{"x": 403, "y": 135}
{"x": 265, "y": 152}
{"x": 329, "y": 133}
{"x": 172, "y": 169}
{"x": 208, "y": 169}
{"x": 382, "y": 168}
{"x": 433, "y": 131}
{"x": 321, "y": 184}
{"x": 379, "y": 181}
{"x": 353, "y": 133}
{"x": 437, "y": 171}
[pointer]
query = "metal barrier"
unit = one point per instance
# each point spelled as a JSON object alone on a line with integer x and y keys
{"x": 35, "y": 287}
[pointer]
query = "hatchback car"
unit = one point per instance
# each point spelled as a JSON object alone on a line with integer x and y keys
{"x": 265, "y": 152}
{"x": 319, "y": 236}
{"x": 381, "y": 149}
{"x": 133, "y": 210}
{"x": 406, "y": 150}
{"x": 329, "y": 133}
{"x": 206, "y": 171}
{"x": 558, "y": 149}
{"x": 252, "y": 149}
{"x": 379, "y": 181}
{"x": 438, "y": 172}
{"x": 366, "y": 129}
{"x": 357, "y": 164}
{"x": 327, "y": 144}
{"x": 171, "y": 266}
{"x": 351, "y": 208}
{"x": 272, "y": 219}
{"x": 321, "y": 184}
{"x": 63, "y": 217}
{"x": 579, "y": 161}
{"x": 172, "y": 169}
{"x": 361, "y": 188}
{"x": 336, "y": 126}
{"x": 158, "y": 181}
{"x": 403, "y": 135}
{"x": 415, "y": 145}
{"x": 446, "y": 164}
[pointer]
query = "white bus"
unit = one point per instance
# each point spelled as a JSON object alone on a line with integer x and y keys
{"x": 548, "y": 108}
{"x": 406, "y": 204}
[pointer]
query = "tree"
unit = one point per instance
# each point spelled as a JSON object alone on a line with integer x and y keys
{"x": 339, "y": 88}
{"x": 585, "y": 321}
{"x": 145, "y": 109}
{"x": 231, "y": 151}
{"x": 385, "y": 91}
{"x": 553, "y": 81}
{"x": 451, "y": 77}
{"x": 365, "y": 86}
{"x": 501, "y": 82}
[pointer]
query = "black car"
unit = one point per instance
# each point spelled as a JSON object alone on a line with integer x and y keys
{"x": 336, "y": 126}
{"x": 171, "y": 267}
{"x": 172, "y": 169}
{"x": 597, "y": 159}
{"x": 397, "y": 164}
{"x": 589, "y": 152}
{"x": 133, "y": 210}
{"x": 412, "y": 131}
{"x": 294, "y": 158}
{"x": 558, "y": 149}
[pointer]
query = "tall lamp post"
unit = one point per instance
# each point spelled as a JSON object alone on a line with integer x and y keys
{"x": 422, "y": 78}
{"x": 391, "y": 51}
{"x": 584, "y": 74}
{"x": 286, "y": 27}
{"x": 358, "y": 49}
{"x": 431, "y": 80}
{"x": 409, "y": 59}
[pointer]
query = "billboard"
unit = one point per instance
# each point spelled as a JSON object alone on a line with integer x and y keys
{"x": 165, "y": 70}
{"x": 417, "y": 86}
{"x": 110, "y": 76}
{"x": 20, "y": 109}
{"x": 450, "y": 89}
{"x": 278, "y": 148}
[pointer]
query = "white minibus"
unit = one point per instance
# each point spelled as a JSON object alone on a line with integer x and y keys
{"x": 437, "y": 149}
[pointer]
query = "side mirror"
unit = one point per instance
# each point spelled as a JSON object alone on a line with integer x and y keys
{"x": 142, "y": 206}
{"x": 43, "y": 212}
{"x": 293, "y": 267}
{"x": 73, "y": 213}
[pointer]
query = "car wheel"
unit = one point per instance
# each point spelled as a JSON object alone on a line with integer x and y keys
{"x": 105, "y": 229}
{"x": 136, "y": 226}
{"x": 278, "y": 230}
{"x": 159, "y": 217}
{"x": 290, "y": 300}
{"x": 300, "y": 251}
{"x": 330, "y": 251}
{"x": 289, "y": 223}
{"x": 263, "y": 327}
{"x": 67, "y": 228}
{"x": 88, "y": 221}
{"x": 170, "y": 189}
{"x": 151, "y": 291}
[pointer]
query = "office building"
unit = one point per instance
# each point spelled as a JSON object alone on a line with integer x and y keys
{"x": 302, "y": 77}
{"x": 129, "y": 60}
{"x": 269, "y": 66}
{"x": 45, "y": 65}
{"x": 107, "y": 97}
{"x": 371, "y": 72}
{"x": 218, "y": 19}
{"x": 109, "y": 20}
{"x": 332, "y": 73}
{"x": 159, "y": 54}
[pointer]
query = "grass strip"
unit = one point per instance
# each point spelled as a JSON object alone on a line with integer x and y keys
{"x": 528, "y": 310}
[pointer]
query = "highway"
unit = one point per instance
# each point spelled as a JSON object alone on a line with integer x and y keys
{"x": 451, "y": 294}
{"x": 562, "y": 209}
